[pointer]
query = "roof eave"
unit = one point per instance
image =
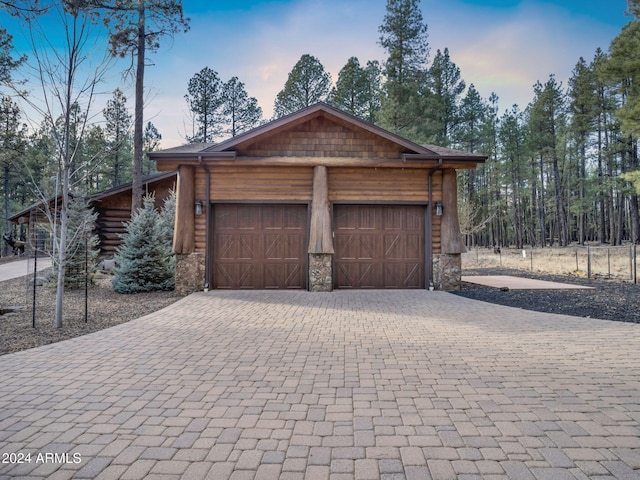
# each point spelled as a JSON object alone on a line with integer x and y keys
{"x": 192, "y": 155}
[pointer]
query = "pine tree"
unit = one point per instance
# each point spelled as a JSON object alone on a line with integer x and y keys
{"x": 7, "y": 62}
{"x": 446, "y": 87}
{"x": 136, "y": 27}
{"x": 350, "y": 92}
{"x": 239, "y": 111}
{"x": 142, "y": 260}
{"x": 151, "y": 143}
{"x": 82, "y": 244}
{"x": 166, "y": 223}
{"x": 205, "y": 99}
{"x": 12, "y": 147}
{"x": 403, "y": 35}
{"x": 117, "y": 133}
{"x": 582, "y": 107}
{"x": 308, "y": 83}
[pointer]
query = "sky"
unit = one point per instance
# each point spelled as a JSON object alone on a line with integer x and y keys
{"x": 501, "y": 46}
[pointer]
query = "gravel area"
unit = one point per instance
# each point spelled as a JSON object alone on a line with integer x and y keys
{"x": 608, "y": 300}
{"x": 106, "y": 308}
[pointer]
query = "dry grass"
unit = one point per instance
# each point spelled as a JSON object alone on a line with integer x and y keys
{"x": 607, "y": 262}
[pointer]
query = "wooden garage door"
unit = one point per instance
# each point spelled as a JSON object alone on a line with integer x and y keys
{"x": 379, "y": 246}
{"x": 259, "y": 246}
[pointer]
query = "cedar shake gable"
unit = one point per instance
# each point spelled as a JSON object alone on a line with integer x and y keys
{"x": 318, "y": 135}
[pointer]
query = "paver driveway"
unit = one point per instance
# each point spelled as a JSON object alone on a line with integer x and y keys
{"x": 352, "y": 384}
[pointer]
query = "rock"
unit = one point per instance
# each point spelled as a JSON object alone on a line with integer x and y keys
{"x": 504, "y": 289}
{"x": 107, "y": 264}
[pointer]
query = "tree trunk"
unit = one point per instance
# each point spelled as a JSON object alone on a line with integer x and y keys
{"x": 7, "y": 208}
{"x": 601, "y": 203}
{"x": 635, "y": 224}
{"x": 138, "y": 151}
{"x": 581, "y": 179}
{"x": 541, "y": 209}
{"x": 62, "y": 244}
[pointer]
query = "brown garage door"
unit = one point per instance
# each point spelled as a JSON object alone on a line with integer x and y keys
{"x": 379, "y": 246}
{"x": 259, "y": 246}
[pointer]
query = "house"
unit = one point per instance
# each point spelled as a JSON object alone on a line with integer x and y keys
{"x": 113, "y": 207}
{"x": 316, "y": 200}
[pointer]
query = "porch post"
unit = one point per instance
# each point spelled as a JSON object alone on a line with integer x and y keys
{"x": 320, "y": 234}
{"x": 452, "y": 245}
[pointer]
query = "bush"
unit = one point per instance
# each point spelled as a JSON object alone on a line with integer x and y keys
{"x": 144, "y": 261}
{"x": 82, "y": 246}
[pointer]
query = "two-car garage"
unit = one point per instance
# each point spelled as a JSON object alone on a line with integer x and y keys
{"x": 264, "y": 246}
{"x": 316, "y": 200}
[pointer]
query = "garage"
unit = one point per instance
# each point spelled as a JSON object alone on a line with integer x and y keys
{"x": 316, "y": 200}
{"x": 379, "y": 246}
{"x": 259, "y": 246}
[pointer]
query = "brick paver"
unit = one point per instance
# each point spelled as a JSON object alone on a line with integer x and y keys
{"x": 352, "y": 384}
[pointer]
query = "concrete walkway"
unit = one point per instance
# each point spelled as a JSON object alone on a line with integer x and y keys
{"x": 20, "y": 268}
{"x": 520, "y": 283}
{"x": 348, "y": 385}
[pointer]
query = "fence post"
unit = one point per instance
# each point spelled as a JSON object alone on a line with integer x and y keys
{"x": 635, "y": 264}
{"x": 608, "y": 262}
{"x": 86, "y": 278}
{"x": 35, "y": 278}
{"x": 577, "y": 267}
{"x": 589, "y": 262}
{"x": 531, "y": 257}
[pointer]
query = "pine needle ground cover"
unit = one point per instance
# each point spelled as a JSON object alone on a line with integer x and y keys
{"x": 106, "y": 308}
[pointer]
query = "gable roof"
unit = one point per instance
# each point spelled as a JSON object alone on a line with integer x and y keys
{"x": 227, "y": 149}
{"x": 96, "y": 197}
{"x": 318, "y": 109}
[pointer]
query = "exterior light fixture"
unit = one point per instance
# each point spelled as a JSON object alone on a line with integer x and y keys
{"x": 438, "y": 209}
{"x": 199, "y": 207}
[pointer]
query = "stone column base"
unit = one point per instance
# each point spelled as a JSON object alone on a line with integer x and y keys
{"x": 189, "y": 273}
{"x": 320, "y": 272}
{"x": 447, "y": 271}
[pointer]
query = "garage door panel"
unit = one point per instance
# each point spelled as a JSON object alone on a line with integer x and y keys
{"x": 234, "y": 276}
{"x": 367, "y": 246}
{"x": 379, "y": 246}
{"x": 283, "y": 275}
{"x": 404, "y": 247}
{"x": 363, "y": 275}
{"x": 259, "y": 246}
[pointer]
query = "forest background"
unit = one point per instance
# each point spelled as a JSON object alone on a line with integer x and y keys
{"x": 560, "y": 169}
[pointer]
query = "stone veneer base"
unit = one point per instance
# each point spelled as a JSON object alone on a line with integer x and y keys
{"x": 189, "y": 273}
{"x": 320, "y": 272}
{"x": 447, "y": 271}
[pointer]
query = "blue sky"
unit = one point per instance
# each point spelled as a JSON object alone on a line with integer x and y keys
{"x": 501, "y": 46}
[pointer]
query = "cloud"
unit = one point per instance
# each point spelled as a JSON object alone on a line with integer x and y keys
{"x": 261, "y": 47}
{"x": 499, "y": 49}
{"x": 507, "y": 51}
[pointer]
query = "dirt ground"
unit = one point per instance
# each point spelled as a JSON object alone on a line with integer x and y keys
{"x": 609, "y": 300}
{"x": 106, "y": 308}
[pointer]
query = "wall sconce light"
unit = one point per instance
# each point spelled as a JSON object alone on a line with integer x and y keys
{"x": 198, "y": 207}
{"x": 438, "y": 209}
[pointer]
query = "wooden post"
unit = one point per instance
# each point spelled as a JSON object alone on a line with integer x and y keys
{"x": 450, "y": 227}
{"x": 184, "y": 229}
{"x": 320, "y": 234}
